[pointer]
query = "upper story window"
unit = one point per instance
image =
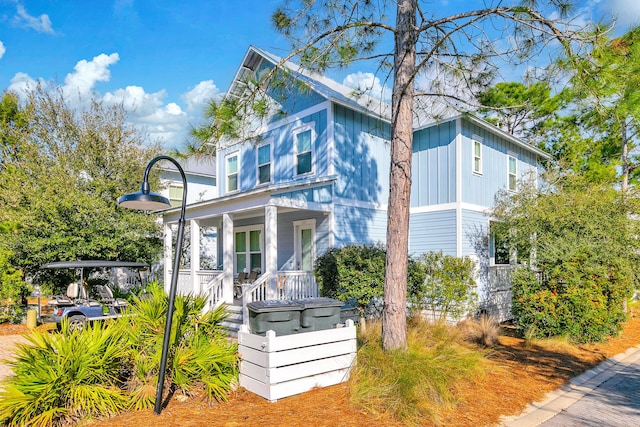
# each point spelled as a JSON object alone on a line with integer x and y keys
{"x": 303, "y": 139}
{"x": 264, "y": 164}
{"x": 477, "y": 156}
{"x": 232, "y": 169}
{"x": 512, "y": 173}
{"x": 175, "y": 195}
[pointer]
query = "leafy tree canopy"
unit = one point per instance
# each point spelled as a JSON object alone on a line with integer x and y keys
{"x": 62, "y": 171}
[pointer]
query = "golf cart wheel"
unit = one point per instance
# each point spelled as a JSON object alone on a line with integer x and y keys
{"x": 77, "y": 322}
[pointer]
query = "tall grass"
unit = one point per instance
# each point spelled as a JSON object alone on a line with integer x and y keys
{"x": 416, "y": 385}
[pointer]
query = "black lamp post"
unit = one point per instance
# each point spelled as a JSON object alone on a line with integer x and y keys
{"x": 148, "y": 201}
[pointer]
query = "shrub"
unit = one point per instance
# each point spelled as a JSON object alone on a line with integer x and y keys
{"x": 353, "y": 274}
{"x": 67, "y": 376}
{"x": 12, "y": 313}
{"x": 483, "y": 331}
{"x": 444, "y": 284}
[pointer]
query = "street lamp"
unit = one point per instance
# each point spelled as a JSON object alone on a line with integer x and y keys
{"x": 148, "y": 201}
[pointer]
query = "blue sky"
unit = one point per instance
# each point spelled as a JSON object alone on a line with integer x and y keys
{"x": 161, "y": 59}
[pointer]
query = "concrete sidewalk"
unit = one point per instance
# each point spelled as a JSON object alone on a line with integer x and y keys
{"x": 607, "y": 395}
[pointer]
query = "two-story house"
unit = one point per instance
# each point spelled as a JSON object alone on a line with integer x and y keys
{"x": 317, "y": 177}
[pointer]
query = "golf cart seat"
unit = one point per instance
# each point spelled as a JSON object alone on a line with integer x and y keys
{"x": 106, "y": 295}
{"x": 76, "y": 291}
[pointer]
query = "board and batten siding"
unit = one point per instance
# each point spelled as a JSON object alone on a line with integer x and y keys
{"x": 432, "y": 231}
{"x": 286, "y": 258}
{"x": 434, "y": 165}
{"x": 480, "y": 189}
{"x": 359, "y": 225}
{"x": 362, "y": 156}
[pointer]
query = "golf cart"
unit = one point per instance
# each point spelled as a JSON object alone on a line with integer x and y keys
{"x": 78, "y": 305}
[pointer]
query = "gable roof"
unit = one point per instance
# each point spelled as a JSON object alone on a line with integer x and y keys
{"x": 348, "y": 97}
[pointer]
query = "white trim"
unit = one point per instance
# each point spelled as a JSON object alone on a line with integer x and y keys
{"x": 248, "y": 229}
{"x": 236, "y": 154}
{"x": 194, "y": 227}
{"x": 515, "y": 158}
{"x": 449, "y": 207}
{"x": 475, "y": 139}
{"x": 298, "y": 226}
{"x": 268, "y": 141}
{"x": 311, "y": 127}
{"x": 299, "y": 204}
{"x": 459, "y": 187}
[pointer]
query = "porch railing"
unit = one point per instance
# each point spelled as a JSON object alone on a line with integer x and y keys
{"x": 214, "y": 292}
{"x": 202, "y": 277}
{"x": 289, "y": 285}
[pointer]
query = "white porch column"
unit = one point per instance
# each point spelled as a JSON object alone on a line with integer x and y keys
{"x": 168, "y": 259}
{"x": 227, "y": 257}
{"x": 195, "y": 256}
{"x": 271, "y": 248}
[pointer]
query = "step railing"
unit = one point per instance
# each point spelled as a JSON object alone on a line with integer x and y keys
{"x": 214, "y": 291}
{"x": 256, "y": 291}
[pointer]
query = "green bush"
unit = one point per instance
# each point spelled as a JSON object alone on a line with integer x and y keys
{"x": 582, "y": 300}
{"x": 12, "y": 313}
{"x": 443, "y": 284}
{"x": 353, "y": 274}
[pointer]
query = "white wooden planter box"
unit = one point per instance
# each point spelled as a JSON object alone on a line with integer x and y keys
{"x": 276, "y": 367}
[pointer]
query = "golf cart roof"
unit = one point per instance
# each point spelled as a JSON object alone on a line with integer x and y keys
{"x": 94, "y": 263}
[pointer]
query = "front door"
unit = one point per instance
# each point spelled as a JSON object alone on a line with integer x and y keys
{"x": 304, "y": 244}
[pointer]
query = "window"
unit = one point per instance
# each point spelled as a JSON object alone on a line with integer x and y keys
{"x": 477, "y": 157}
{"x": 232, "y": 172}
{"x": 264, "y": 164}
{"x": 303, "y": 150}
{"x": 175, "y": 195}
{"x": 498, "y": 246}
{"x": 248, "y": 250}
{"x": 512, "y": 174}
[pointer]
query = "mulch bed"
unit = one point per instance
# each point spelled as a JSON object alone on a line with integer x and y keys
{"x": 517, "y": 374}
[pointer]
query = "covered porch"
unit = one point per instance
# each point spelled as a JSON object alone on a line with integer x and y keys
{"x": 277, "y": 238}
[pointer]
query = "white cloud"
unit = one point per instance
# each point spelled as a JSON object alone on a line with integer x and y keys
{"x": 21, "y": 84}
{"x": 368, "y": 83}
{"x": 2, "y": 49}
{"x": 198, "y": 97}
{"x": 41, "y": 24}
{"x": 87, "y": 73}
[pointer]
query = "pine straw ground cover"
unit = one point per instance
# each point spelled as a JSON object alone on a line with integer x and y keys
{"x": 517, "y": 373}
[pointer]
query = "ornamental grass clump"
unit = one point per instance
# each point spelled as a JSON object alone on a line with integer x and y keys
{"x": 415, "y": 385}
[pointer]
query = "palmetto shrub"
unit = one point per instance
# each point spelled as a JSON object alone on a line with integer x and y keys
{"x": 200, "y": 354}
{"x": 66, "y": 376}
{"x": 63, "y": 377}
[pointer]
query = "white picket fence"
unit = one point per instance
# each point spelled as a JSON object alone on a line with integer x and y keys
{"x": 280, "y": 366}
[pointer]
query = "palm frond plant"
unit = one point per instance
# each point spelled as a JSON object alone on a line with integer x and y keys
{"x": 66, "y": 376}
{"x": 200, "y": 355}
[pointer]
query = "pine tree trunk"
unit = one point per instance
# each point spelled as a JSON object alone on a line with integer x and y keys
{"x": 394, "y": 321}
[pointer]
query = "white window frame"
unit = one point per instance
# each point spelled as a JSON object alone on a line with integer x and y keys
{"x": 510, "y": 174}
{"x": 227, "y": 175}
{"x": 492, "y": 249}
{"x": 298, "y": 226}
{"x": 248, "y": 229}
{"x": 476, "y": 140}
{"x": 306, "y": 127}
{"x": 177, "y": 186}
{"x": 258, "y": 164}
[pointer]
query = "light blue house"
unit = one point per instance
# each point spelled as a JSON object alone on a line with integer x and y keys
{"x": 317, "y": 177}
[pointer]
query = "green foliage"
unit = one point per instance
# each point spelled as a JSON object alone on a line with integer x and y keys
{"x": 447, "y": 285}
{"x": 200, "y": 353}
{"x": 522, "y": 110}
{"x": 65, "y": 377}
{"x": 415, "y": 386}
{"x": 354, "y": 274}
{"x": 584, "y": 243}
{"x": 12, "y": 285}
{"x": 62, "y": 184}
{"x": 12, "y": 313}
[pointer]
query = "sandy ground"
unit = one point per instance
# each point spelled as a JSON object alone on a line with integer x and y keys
{"x": 7, "y": 346}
